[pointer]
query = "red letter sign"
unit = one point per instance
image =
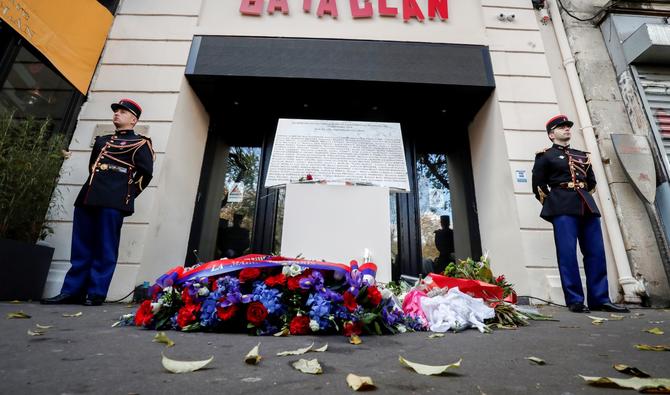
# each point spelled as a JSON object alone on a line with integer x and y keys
{"x": 274, "y": 5}
{"x": 411, "y": 10}
{"x": 385, "y": 10}
{"x": 327, "y": 7}
{"x": 358, "y": 12}
{"x": 251, "y": 7}
{"x": 440, "y": 6}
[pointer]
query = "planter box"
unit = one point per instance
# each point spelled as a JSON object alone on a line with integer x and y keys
{"x": 23, "y": 269}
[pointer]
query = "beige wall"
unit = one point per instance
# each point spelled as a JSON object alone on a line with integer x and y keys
{"x": 144, "y": 59}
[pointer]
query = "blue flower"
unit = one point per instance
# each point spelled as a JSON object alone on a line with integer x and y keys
{"x": 270, "y": 297}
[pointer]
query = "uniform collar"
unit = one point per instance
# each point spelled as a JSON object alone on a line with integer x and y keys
{"x": 562, "y": 148}
{"x": 124, "y": 132}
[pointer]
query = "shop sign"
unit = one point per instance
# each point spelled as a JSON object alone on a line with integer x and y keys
{"x": 360, "y": 9}
{"x": 70, "y": 34}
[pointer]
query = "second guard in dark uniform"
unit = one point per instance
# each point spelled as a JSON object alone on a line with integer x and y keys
{"x": 120, "y": 168}
{"x": 563, "y": 181}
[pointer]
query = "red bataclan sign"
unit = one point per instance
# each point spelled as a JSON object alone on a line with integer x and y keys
{"x": 359, "y": 8}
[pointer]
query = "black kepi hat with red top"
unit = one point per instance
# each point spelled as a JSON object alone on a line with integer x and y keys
{"x": 129, "y": 105}
{"x": 557, "y": 121}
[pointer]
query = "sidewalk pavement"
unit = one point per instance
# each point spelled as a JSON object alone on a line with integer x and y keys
{"x": 86, "y": 355}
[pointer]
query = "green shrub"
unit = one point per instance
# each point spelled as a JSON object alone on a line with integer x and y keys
{"x": 30, "y": 160}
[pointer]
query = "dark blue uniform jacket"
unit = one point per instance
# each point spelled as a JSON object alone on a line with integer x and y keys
{"x": 562, "y": 182}
{"x": 120, "y": 167}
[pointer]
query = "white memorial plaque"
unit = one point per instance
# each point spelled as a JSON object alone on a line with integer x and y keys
{"x": 367, "y": 153}
{"x": 338, "y": 223}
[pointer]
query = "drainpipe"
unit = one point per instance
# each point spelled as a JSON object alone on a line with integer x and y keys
{"x": 632, "y": 288}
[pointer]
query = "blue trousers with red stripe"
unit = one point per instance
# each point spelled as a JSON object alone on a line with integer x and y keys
{"x": 568, "y": 229}
{"x": 96, "y": 232}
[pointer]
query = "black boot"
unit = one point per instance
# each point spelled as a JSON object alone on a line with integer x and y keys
{"x": 62, "y": 299}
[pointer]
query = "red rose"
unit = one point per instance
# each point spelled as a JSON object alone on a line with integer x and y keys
{"x": 256, "y": 313}
{"x": 226, "y": 313}
{"x": 293, "y": 283}
{"x": 186, "y": 296}
{"x": 299, "y": 325}
{"x": 350, "y": 301}
{"x": 143, "y": 316}
{"x": 249, "y": 274}
{"x": 353, "y": 328}
{"x": 374, "y": 296}
{"x": 273, "y": 281}
{"x": 309, "y": 177}
{"x": 186, "y": 315}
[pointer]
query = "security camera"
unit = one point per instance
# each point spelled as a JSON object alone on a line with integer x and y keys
{"x": 510, "y": 18}
{"x": 501, "y": 17}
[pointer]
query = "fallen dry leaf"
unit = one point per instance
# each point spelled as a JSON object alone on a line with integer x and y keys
{"x": 161, "y": 337}
{"x": 654, "y": 331}
{"x": 436, "y": 335}
{"x": 597, "y": 320}
{"x": 176, "y": 366}
{"x": 617, "y": 317}
{"x": 35, "y": 333}
{"x": 321, "y": 349}
{"x": 630, "y": 370}
{"x": 647, "y": 347}
{"x": 282, "y": 333}
{"x": 253, "y": 357}
{"x": 44, "y": 326}
{"x": 17, "y": 315}
{"x": 537, "y": 360}
{"x": 428, "y": 370}
{"x": 361, "y": 383}
{"x": 310, "y": 366}
{"x": 299, "y": 351}
{"x": 78, "y": 314}
{"x": 15, "y": 302}
{"x": 355, "y": 339}
{"x": 636, "y": 383}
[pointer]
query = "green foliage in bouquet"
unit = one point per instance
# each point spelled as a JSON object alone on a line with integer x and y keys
{"x": 31, "y": 156}
{"x": 478, "y": 270}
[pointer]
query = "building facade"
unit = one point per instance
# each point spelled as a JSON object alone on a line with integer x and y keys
{"x": 471, "y": 84}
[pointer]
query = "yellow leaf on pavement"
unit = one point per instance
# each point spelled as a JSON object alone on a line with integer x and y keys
{"x": 354, "y": 339}
{"x": 299, "y": 351}
{"x": 176, "y": 366}
{"x": 436, "y": 335}
{"x": 361, "y": 383}
{"x": 647, "y": 347}
{"x": 310, "y": 366}
{"x": 636, "y": 383}
{"x": 654, "y": 331}
{"x": 17, "y": 315}
{"x": 253, "y": 357}
{"x": 44, "y": 326}
{"x": 428, "y": 370}
{"x": 78, "y": 314}
{"x": 282, "y": 333}
{"x": 35, "y": 333}
{"x": 161, "y": 337}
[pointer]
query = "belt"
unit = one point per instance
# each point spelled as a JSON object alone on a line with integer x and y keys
{"x": 106, "y": 166}
{"x": 573, "y": 185}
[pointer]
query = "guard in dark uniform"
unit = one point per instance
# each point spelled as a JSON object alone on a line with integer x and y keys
{"x": 563, "y": 181}
{"x": 120, "y": 168}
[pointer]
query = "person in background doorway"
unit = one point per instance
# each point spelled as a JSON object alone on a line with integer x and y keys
{"x": 236, "y": 238}
{"x": 563, "y": 181}
{"x": 444, "y": 242}
{"x": 120, "y": 168}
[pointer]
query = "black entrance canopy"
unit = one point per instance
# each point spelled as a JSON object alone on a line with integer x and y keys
{"x": 340, "y": 79}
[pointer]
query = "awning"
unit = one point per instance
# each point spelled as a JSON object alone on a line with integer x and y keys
{"x": 70, "y": 33}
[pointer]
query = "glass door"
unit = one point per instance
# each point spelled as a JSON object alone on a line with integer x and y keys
{"x": 238, "y": 202}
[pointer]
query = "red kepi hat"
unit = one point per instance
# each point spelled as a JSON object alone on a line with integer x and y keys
{"x": 129, "y": 105}
{"x": 557, "y": 121}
